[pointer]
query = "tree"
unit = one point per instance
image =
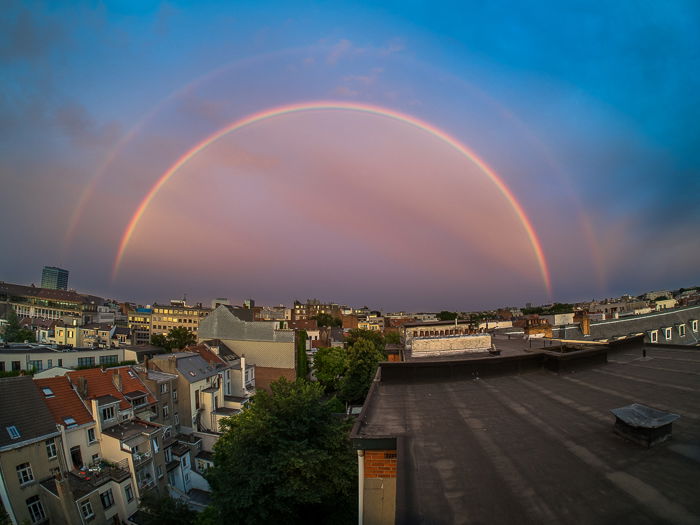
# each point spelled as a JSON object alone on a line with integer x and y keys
{"x": 286, "y": 459}
{"x": 370, "y": 335}
{"x": 328, "y": 320}
{"x": 302, "y": 360}
{"x": 392, "y": 338}
{"x": 164, "y": 510}
{"x": 363, "y": 360}
{"x": 330, "y": 365}
{"x": 14, "y": 333}
{"x": 447, "y": 316}
{"x": 177, "y": 339}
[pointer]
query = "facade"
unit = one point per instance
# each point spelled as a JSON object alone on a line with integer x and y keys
{"x": 270, "y": 350}
{"x": 139, "y": 322}
{"x": 199, "y": 389}
{"x": 16, "y": 357}
{"x": 176, "y": 315}
{"x": 409, "y": 331}
{"x": 312, "y": 308}
{"x": 46, "y": 303}
{"x": 54, "y": 278}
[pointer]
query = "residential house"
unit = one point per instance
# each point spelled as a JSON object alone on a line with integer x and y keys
{"x": 271, "y": 350}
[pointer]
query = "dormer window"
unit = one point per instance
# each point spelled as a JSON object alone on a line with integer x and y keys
{"x": 654, "y": 336}
{"x": 667, "y": 333}
{"x": 14, "y": 433}
{"x": 107, "y": 413}
{"x": 47, "y": 392}
{"x": 681, "y": 330}
{"x": 694, "y": 325}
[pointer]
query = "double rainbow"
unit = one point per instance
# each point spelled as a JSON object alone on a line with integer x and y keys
{"x": 345, "y": 106}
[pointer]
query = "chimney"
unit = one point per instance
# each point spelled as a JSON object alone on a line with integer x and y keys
{"x": 117, "y": 380}
{"x": 83, "y": 387}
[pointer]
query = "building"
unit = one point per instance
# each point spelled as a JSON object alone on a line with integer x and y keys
{"x": 531, "y": 438}
{"x": 272, "y": 351}
{"x": 16, "y": 356}
{"x": 54, "y": 278}
{"x": 177, "y": 315}
{"x": 678, "y": 326}
{"x": 139, "y": 322}
{"x": 409, "y": 331}
{"x": 199, "y": 390}
{"x": 46, "y": 303}
{"x": 312, "y": 308}
{"x": 30, "y": 451}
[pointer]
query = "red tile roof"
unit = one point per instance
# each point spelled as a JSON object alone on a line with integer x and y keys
{"x": 100, "y": 383}
{"x": 65, "y": 401}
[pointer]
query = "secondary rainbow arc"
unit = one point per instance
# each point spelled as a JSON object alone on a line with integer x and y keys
{"x": 343, "y": 106}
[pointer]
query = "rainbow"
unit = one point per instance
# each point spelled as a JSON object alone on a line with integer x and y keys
{"x": 343, "y": 106}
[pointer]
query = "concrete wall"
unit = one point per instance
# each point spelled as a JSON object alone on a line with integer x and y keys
{"x": 448, "y": 345}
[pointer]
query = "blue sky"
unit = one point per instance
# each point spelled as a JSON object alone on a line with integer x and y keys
{"x": 587, "y": 110}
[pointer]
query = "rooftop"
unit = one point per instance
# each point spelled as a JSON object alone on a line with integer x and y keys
{"x": 130, "y": 429}
{"x": 496, "y": 440}
{"x": 62, "y": 400}
{"x": 23, "y": 414}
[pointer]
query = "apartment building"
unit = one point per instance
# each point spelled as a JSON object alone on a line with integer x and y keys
{"x": 30, "y": 451}
{"x": 45, "y": 303}
{"x": 15, "y": 357}
{"x": 139, "y": 322}
{"x": 312, "y": 308}
{"x": 199, "y": 389}
{"x": 176, "y": 315}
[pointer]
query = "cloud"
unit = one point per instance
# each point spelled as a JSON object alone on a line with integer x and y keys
{"x": 345, "y": 91}
{"x": 26, "y": 37}
{"x": 79, "y": 126}
{"x": 338, "y": 50}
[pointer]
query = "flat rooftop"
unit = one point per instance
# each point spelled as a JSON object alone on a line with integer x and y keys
{"x": 479, "y": 442}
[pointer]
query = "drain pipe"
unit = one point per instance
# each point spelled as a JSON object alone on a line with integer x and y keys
{"x": 361, "y": 484}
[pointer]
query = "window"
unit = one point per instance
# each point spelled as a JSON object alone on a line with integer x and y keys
{"x": 694, "y": 325}
{"x": 50, "y": 363}
{"x": 2, "y": 366}
{"x": 107, "y": 413}
{"x": 160, "y": 471}
{"x": 107, "y": 499}
{"x": 86, "y": 510}
{"x": 60, "y": 362}
{"x": 163, "y": 388}
{"x": 91, "y": 435}
{"x": 171, "y": 478}
{"x": 14, "y": 433}
{"x": 654, "y": 336}
{"x": 16, "y": 366}
{"x": 168, "y": 455}
{"x": 108, "y": 359}
{"x": 185, "y": 461}
{"x": 156, "y": 447}
{"x": 667, "y": 333}
{"x": 174, "y": 395}
{"x": 36, "y": 509}
{"x": 129, "y": 492}
{"x": 36, "y": 365}
{"x": 70, "y": 422}
{"x": 165, "y": 411}
{"x": 95, "y": 459}
{"x": 51, "y": 448}
{"x": 176, "y": 419}
{"x": 24, "y": 473}
{"x": 86, "y": 361}
{"x": 681, "y": 330}
{"x": 47, "y": 392}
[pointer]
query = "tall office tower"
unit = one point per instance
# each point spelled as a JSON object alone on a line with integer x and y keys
{"x": 54, "y": 278}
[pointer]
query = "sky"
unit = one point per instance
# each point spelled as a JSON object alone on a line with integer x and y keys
{"x": 459, "y": 155}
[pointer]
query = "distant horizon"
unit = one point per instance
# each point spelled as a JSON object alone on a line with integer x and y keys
{"x": 236, "y": 302}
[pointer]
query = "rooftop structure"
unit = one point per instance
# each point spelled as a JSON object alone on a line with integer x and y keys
{"x": 530, "y": 438}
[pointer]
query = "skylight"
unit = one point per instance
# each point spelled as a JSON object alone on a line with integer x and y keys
{"x": 69, "y": 421}
{"x": 47, "y": 392}
{"x": 14, "y": 433}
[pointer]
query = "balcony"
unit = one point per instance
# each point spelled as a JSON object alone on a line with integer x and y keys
{"x": 141, "y": 458}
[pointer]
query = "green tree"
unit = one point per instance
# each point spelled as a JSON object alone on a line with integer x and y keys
{"x": 302, "y": 360}
{"x": 370, "y": 335}
{"x": 392, "y": 338}
{"x": 177, "y": 339}
{"x": 330, "y": 365}
{"x": 14, "y": 333}
{"x": 164, "y": 510}
{"x": 447, "y": 316}
{"x": 363, "y": 360}
{"x": 286, "y": 459}
{"x": 328, "y": 320}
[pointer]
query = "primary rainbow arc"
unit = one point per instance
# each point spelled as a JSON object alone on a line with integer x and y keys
{"x": 343, "y": 106}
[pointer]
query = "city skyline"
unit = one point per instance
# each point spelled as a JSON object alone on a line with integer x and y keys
{"x": 399, "y": 156}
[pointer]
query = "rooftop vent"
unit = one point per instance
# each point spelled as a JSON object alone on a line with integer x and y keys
{"x": 644, "y": 425}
